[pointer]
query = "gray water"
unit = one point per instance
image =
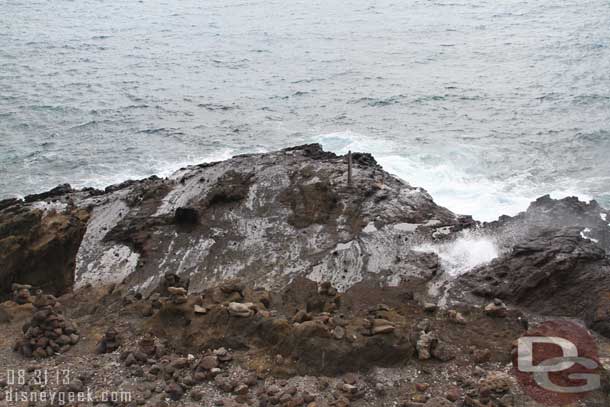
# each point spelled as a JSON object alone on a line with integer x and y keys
{"x": 485, "y": 104}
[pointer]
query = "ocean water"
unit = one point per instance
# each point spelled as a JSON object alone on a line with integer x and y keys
{"x": 485, "y": 104}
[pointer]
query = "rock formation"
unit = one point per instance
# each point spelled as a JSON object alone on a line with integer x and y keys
{"x": 268, "y": 279}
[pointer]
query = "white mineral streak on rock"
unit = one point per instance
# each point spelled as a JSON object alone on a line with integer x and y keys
{"x": 252, "y": 200}
{"x": 148, "y": 283}
{"x": 442, "y": 231}
{"x": 255, "y": 239}
{"x": 343, "y": 267}
{"x": 98, "y": 261}
{"x": 370, "y": 228}
{"x": 194, "y": 256}
{"x": 584, "y": 234}
{"x": 407, "y": 227}
{"x": 180, "y": 195}
{"x": 50, "y": 206}
{"x": 192, "y": 187}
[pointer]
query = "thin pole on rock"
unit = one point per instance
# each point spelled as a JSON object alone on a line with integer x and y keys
{"x": 349, "y": 168}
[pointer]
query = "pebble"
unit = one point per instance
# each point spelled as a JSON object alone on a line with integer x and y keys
{"x": 242, "y": 310}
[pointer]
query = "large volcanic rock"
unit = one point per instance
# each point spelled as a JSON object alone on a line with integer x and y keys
{"x": 554, "y": 262}
{"x": 547, "y": 213}
{"x": 266, "y": 218}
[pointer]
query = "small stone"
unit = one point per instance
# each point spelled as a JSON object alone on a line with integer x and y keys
{"x": 130, "y": 360}
{"x": 348, "y": 388}
{"x": 301, "y": 316}
{"x": 241, "y": 389}
{"x": 339, "y": 332}
{"x": 148, "y": 311}
{"x": 177, "y": 291}
{"x": 242, "y": 310}
{"x": 453, "y": 394}
{"x": 443, "y": 351}
{"x": 497, "y": 382}
{"x": 481, "y": 355}
{"x": 430, "y": 307}
{"x": 496, "y": 310}
{"x": 424, "y": 345}
{"x": 196, "y": 395}
{"x": 273, "y": 389}
{"x": 439, "y": 402}
{"x": 383, "y": 329}
{"x": 251, "y": 379}
{"x": 223, "y": 355}
{"x": 174, "y": 391}
{"x": 180, "y": 363}
{"x": 422, "y": 387}
{"x": 424, "y": 325}
{"x": 199, "y": 310}
{"x": 419, "y": 398}
{"x": 350, "y": 378}
{"x": 209, "y": 362}
{"x": 308, "y": 397}
{"x": 457, "y": 317}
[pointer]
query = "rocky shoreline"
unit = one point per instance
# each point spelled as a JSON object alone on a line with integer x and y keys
{"x": 279, "y": 279}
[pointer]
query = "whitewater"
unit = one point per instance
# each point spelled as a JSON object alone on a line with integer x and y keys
{"x": 486, "y": 105}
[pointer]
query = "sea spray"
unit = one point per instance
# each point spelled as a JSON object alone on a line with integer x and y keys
{"x": 458, "y": 256}
{"x": 469, "y": 250}
{"x": 453, "y": 174}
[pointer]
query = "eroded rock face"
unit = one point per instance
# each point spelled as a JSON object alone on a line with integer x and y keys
{"x": 555, "y": 272}
{"x": 277, "y": 218}
{"x": 592, "y": 220}
{"x": 38, "y": 245}
{"x": 265, "y": 218}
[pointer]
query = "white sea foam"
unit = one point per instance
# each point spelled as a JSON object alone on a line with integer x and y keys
{"x": 453, "y": 181}
{"x": 468, "y": 251}
{"x": 160, "y": 168}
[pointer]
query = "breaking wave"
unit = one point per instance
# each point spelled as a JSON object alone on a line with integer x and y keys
{"x": 468, "y": 251}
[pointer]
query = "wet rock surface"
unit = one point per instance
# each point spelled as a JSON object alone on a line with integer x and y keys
{"x": 556, "y": 272}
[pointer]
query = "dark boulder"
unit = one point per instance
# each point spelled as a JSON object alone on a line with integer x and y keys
{"x": 555, "y": 272}
{"x": 55, "y": 192}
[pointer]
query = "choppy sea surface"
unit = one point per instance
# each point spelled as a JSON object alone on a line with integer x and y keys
{"x": 485, "y": 104}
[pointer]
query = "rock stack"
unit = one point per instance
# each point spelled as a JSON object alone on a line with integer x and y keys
{"x": 110, "y": 342}
{"x": 425, "y": 340}
{"x": 242, "y": 310}
{"x": 332, "y": 299}
{"x": 496, "y": 309}
{"x": 22, "y": 294}
{"x": 177, "y": 295}
{"x": 229, "y": 291}
{"x": 49, "y": 332}
{"x": 146, "y": 351}
{"x": 209, "y": 366}
{"x": 171, "y": 280}
{"x": 377, "y": 323}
